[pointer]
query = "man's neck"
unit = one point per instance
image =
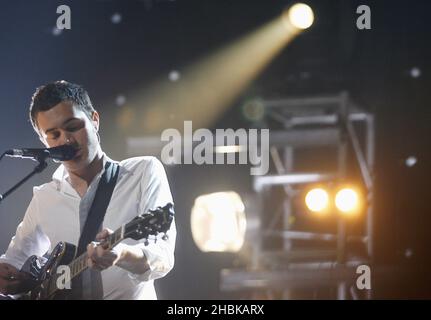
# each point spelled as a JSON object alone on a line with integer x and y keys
{"x": 80, "y": 180}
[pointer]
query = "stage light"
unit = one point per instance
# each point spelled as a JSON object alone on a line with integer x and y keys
{"x": 415, "y": 72}
{"x": 174, "y": 76}
{"x": 120, "y": 100}
{"x": 116, "y": 18}
{"x": 347, "y": 201}
{"x": 411, "y": 161}
{"x": 56, "y": 32}
{"x": 317, "y": 200}
{"x": 218, "y": 222}
{"x": 300, "y": 15}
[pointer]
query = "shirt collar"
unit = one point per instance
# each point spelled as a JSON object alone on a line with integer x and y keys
{"x": 61, "y": 175}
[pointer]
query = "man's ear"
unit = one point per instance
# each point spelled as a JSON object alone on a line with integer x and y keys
{"x": 95, "y": 120}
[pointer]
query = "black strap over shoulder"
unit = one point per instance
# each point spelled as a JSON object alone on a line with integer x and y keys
{"x": 100, "y": 204}
{"x": 92, "y": 226}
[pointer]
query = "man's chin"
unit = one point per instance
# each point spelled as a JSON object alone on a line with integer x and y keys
{"x": 75, "y": 164}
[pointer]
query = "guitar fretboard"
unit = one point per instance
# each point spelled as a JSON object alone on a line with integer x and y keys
{"x": 79, "y": 264}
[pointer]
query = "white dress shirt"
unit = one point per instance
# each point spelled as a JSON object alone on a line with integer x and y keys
{"x": 57, "y": 212}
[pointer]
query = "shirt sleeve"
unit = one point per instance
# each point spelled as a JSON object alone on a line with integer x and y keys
{"x": 156, "y": 192}
{"x": 28, "y": 240}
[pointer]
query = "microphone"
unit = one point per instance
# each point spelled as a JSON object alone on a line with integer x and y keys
{"x": 61, "y": 153}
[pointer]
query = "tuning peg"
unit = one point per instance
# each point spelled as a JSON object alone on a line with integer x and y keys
{"x": 155, "y": 240}
{"x": 165, "y": 237}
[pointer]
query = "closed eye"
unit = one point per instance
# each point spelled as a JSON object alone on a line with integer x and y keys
{"x": 75, "y": 126}
{"x": 53, "y": 135}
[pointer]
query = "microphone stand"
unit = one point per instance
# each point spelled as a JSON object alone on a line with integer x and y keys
{"x": 42, "y": 164}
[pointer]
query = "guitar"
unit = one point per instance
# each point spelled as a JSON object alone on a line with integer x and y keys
{"x": 41, "y": 283}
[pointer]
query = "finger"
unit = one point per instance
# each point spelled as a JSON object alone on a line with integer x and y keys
{"x": 13, "y": 274}
{"x": 91, "y": 248}
{"x": 7, "y": 275}
{"x": 102, "y": 235}
{"x": 106, "y": 261}
{"x": 100, "y": 252}
{"x": 90, "y": 263}
{"x": 103, "y": 252}
{"x": 104, "y": 244}
{"x": 95, "y": 259}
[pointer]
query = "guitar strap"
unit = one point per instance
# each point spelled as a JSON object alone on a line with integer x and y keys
{"x": 93, "y": 225}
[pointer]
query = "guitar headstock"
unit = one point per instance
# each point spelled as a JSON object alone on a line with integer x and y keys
{"x": 152, "y": 223}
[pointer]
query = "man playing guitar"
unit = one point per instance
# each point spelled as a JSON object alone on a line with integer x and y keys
{"x": 62, "y": 113}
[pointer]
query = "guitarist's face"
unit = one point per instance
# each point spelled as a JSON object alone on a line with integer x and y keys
{"x": 68, "y": 124}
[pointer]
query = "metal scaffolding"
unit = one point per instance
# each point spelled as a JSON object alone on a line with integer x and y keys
{"x": 324, "y": 121}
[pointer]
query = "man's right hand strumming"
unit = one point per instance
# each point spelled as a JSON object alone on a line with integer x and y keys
{"x": 10, "y": 279}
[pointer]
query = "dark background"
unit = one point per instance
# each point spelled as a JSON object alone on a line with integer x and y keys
{"x": 155, "y": 37}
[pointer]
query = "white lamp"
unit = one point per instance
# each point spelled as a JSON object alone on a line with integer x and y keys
{"x": 218, "y": 222}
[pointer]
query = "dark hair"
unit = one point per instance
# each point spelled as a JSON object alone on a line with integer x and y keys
{"x": 48, "y": 96}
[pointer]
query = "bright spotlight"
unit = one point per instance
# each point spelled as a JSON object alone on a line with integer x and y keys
{"x": 347, "y": 201}
{"x": 300, "y": 16}
{"x": 317, "y": 200}
{"x": 218, "y": 222}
